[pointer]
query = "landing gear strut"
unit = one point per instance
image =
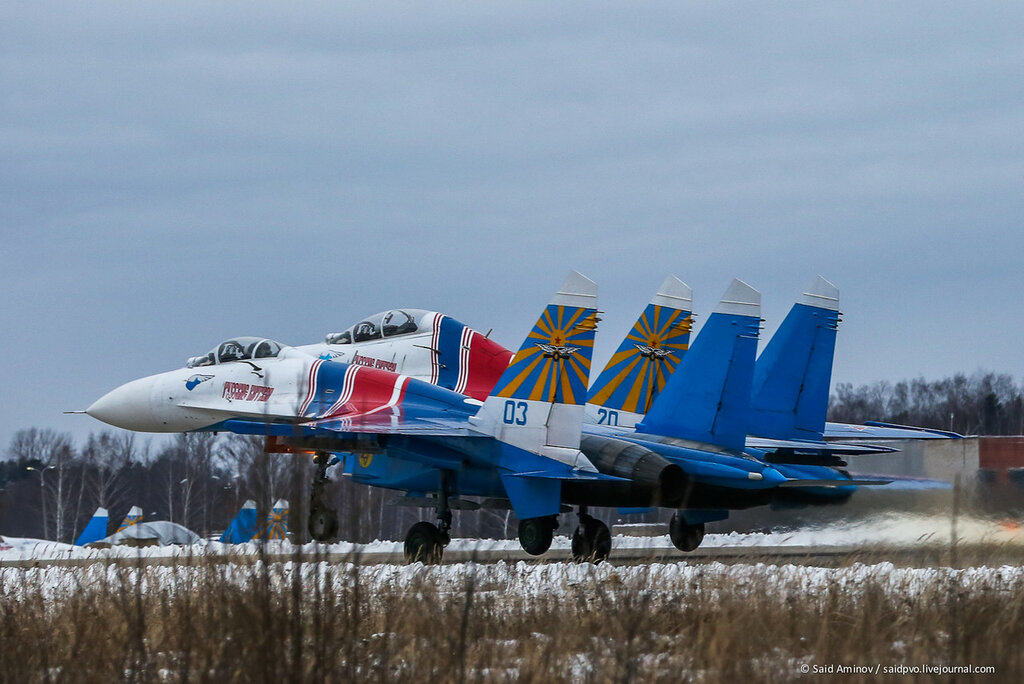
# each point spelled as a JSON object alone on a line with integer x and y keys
{"x": 323, "y": 520}
{"x": 535, "y": 534}
{"x": 685, "y": 537}
{"x": 425, "y": 541}
{"x": 591, "y": 541}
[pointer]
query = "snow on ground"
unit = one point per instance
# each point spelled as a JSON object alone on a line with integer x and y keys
{"x": 523, "y": 580}
{"x": 900, "y": 530}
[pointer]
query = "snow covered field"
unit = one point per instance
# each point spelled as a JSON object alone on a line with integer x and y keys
{"x": 230, "y": 616}
{"x": 892, "y": 530}
{"x": 521, "y": 579}
{"x": 529, "y": 578}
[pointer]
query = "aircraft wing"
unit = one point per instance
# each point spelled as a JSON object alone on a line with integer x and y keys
{"x": 878, "y": 430}
{"x": 806, "y": 447}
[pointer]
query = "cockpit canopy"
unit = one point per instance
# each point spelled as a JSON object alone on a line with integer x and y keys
{"x": 237, "y": 349}
{"x": 383, "y": 325}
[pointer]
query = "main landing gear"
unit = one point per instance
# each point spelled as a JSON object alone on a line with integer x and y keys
{"x": 425, "y": 541}
{"x": 684, "y": 536}
{"x": 323, "y": 520}
{"x": 591, "y": 542}
{"x": 535, "y": 534}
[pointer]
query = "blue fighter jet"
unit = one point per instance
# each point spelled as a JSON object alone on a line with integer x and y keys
{"x": 526, "y": 446}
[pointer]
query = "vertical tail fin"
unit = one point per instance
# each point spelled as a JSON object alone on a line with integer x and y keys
{"x": 95, "y": 529}
{"x": 708, "y": 397}
{"x": 134, "y": 516}
{"x": 641, "y": 366}
{"x": 277, "y": 522}
{"x": 243, "y": 526}
{"x": 789, "y": 399}
{"x": 537, "y": 404}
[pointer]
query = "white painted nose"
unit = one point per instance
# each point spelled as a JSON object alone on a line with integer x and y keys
{"x": 130, "y": 406}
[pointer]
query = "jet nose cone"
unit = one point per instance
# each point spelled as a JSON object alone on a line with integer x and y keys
{"x": 129, "y": 407}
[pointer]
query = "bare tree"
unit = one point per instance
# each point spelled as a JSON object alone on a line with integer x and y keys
{"x": 187, "y": 470}
{"x": 53, "y": 453}
{"x": 983, "y": 403}
{"x": 108, "y": 456}
{"x": 263, "y": 477}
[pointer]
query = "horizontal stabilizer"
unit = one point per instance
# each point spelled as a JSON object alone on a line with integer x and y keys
{"x": 799, "y": 446}
{"x": 933, "y": 431}
{"x": 877, "y": 430}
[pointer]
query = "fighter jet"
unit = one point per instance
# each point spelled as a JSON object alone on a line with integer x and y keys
{"x": 525, "y": 445}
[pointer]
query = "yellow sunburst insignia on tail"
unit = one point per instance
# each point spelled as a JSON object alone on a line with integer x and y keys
{"x": 554, "y": 363}
{"x": 650, "y": 352}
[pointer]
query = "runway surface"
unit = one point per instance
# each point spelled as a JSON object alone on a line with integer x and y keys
{"x": 907, "y": 541}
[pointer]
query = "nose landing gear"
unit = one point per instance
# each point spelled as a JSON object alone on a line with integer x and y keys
{"x": 323, "y": 519}
{"x": 425, "y": 541}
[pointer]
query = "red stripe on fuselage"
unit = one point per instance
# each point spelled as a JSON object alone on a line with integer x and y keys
{"x": 368, "y": 390}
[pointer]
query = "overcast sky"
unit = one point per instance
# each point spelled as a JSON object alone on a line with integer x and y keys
{"x": 172, "y": 174}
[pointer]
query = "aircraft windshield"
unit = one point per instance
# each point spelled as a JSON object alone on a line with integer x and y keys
{"x": 237, "y": 349}
{"x": 380, "y": 326}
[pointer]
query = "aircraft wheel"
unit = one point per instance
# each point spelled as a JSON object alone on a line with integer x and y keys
{"x": 535, "y": 534}
{"x": 424, "y": 544}
{"x": 685, "y": 537}
{"x": 592, "y": 541}
{"x": 323, "y": 523}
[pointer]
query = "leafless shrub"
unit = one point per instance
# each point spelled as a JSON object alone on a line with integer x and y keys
{"x": 254, "y": 620}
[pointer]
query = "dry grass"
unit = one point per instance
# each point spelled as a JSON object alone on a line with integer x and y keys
{"x": 262, "y": 622}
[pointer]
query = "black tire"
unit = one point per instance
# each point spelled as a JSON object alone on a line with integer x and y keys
{"x": 592, "y": 541}
{"x": 322, "y": 524}
{"x": 423, "y": 544}
{"x": 535, "y": 535}
{"x": 685, "y": 537}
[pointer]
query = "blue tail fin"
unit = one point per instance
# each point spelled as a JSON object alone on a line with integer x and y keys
{"x": 244, "y": 525}
{"x": 95, "y": 529}
{"x": 707, "y": 399}
{"x": 641, "y": 366}
{"x": 789, "y": 398}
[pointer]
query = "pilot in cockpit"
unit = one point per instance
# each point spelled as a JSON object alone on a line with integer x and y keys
{"x": 397, "y": 323}
{"x": 230, "y": 351}
{"x": 364, "y": 331}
